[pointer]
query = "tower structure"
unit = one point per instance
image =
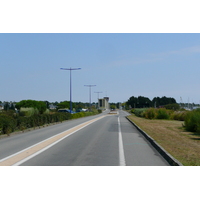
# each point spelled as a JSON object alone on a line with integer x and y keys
{"x": 104, "y": 103}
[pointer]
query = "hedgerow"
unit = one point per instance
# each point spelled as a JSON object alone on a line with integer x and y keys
{"x": 12, "y": 122}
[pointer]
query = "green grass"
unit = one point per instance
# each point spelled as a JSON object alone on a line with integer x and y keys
{"x": 171, "y": 135}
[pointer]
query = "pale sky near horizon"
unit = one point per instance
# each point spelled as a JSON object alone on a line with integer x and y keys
{"x": 120, "y": 65}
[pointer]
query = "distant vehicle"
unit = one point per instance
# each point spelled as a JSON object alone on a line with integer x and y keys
{"x": 72, "y": 112}
{"x": 66, "y": 111}
{"x": 82, "y": 110}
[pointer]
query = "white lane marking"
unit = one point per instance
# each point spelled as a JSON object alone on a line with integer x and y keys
{"x": 122, "y": 161}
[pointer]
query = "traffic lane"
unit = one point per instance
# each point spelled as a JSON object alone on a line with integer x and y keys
{"x": 20, "y": 157}
{"x": 13, "y": 144}
{"x": 95, "y": 145}
{"x": 138, "y": 151}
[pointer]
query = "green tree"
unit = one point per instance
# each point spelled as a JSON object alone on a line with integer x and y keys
{"x": 157, "y": 101}
{"x": 47, "y": 104}
{"x": 6, "y": 106}
{"x": 64, "y": 104}
{"x": 139, "y": 102}
{"x": 173, "y": 106}
{"x": 40, "y": 105}
{"x": 112, "y": 106}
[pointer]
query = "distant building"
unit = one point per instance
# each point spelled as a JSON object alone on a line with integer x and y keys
{"x": 52, "y": 107}
{"x": 104, "y": 103}
{"x": 1, "y": 107}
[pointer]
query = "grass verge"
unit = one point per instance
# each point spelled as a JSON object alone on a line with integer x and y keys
{"x": 170, "y": 134}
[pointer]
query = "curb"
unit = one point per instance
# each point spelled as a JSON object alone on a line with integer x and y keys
{"x": 169, "y": 158}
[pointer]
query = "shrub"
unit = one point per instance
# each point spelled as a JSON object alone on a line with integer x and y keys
{"x": 40, "y": 105}
{"x": 47, "y": 111}
{"x": 99, "y": 111}
{"x": 179, "y": 115}
{"x": 150, "y": 113}
{"x": 7, "y": 124}
{"x": 78, "y": 115}
{"x": 173, "y": 106}
{"x": 162, "y": 114}
{"x": 192, "y": 121}
{"x": 10, "y": 122}
{"x": 28, "y": 111}
{"x": 139, "y": 112}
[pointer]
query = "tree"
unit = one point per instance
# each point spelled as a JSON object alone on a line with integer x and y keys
{"x": 64, "y": 104}
{"x": 112, "y": 106}
{"x": 47, "y": 103}
{"x": 144, "y": 102}
{"x": 139, "y": 102}
{"x": 132, "y": 102}
{"x": 6, "y": 106}
{"x": 174, "y": 106}
{"x": 12, "y": 107}
{"x": 157, "y": 101}
{"x": 40, "y": 105}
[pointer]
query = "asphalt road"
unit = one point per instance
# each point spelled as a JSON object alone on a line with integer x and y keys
{"x": 102, "y": 140}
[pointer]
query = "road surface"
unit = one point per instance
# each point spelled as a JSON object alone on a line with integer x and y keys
{"x": 101, "y": 140}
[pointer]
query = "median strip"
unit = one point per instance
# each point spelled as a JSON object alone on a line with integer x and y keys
{"x": 26, "y": 154}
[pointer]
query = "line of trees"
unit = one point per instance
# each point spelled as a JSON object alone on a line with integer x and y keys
{"x": 145, "y": 102}
{"x": 41, "y": 106}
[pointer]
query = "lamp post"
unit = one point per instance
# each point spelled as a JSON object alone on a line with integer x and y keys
{"x": 90, "y": 93}
{"x": 70, "y": 84}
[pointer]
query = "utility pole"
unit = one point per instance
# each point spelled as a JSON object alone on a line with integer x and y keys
{"x": 98, "y": 97}
{"x": 90, "y": 93}
{"x": 70, "y": 84}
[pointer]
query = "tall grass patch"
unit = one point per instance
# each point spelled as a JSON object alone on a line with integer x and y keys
{"x": 179, "y": 115}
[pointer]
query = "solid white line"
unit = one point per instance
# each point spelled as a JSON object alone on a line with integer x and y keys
{"x": 122, "y": 161}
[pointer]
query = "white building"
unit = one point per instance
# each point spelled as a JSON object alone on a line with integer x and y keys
{"x": 104, "y": 103}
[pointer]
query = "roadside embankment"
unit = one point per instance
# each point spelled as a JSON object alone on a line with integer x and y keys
{"x": 177, "y": 146}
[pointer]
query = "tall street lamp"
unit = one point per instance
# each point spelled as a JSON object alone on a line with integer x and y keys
{"x": 90, "y": 93}
{"x": 70, "y": 84}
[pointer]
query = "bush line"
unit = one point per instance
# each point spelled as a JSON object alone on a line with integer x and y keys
{"x": 13, "y": 122}
{"x": 191, "y": 118}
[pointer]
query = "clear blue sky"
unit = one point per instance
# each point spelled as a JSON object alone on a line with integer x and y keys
{"x": 121, "y": 65}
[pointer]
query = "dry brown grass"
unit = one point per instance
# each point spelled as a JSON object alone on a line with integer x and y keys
{"x": 182, "y": 145}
